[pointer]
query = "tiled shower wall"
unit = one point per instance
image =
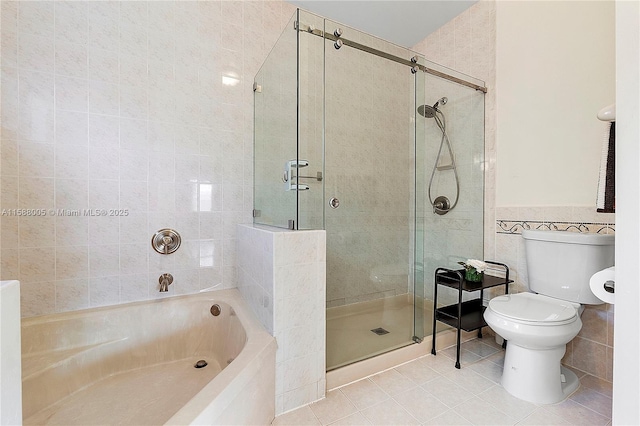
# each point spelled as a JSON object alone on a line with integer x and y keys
{"x": 456, "y": 236}
{"x": 468, "y": 44}
{"x": 369, "y": 143}
{"x": 122, "y": 106}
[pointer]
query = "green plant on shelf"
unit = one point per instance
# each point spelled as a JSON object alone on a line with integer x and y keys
{"x": 474, "y": 270}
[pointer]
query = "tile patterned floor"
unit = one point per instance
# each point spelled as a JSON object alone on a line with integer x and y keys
{"x": 430, "y": 391}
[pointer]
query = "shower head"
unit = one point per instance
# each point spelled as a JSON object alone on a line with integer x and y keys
{"x": 428, "y": 111}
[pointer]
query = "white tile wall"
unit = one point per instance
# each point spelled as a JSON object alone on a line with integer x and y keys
{"x": 120, "y": 105}
{"x": 282, "y": 276}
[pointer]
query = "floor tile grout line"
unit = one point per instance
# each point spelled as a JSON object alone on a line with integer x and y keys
{"x": 599, "y": 393}
{"x": 595, "y": 390}
{"x": 591, "y": 389}
{"x": 590, "y": 409}
{"x": 405, "y": 410}
{"x": 389, "y": 396}
{"x": 368, "y": 406}
{"x": 465, "y": 417}
{"x": 529, "y": 415}
{"x": 536, "y": 405}
{"x": 360, "y": 411}
{"x": 314, "y": 415}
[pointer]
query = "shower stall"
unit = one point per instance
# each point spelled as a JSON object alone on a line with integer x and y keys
{"x": 385, "y": 151}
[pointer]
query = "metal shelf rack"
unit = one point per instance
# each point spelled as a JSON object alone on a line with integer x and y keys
{"x": 468, "y": 315}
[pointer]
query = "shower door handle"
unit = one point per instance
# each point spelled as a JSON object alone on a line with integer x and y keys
{"x": 288, "y": 176}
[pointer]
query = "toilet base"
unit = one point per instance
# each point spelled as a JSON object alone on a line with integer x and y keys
{"x": 535, "y": 375}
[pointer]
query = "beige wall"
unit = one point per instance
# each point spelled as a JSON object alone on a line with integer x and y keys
{"x": 120, "y": 105}
{"x": 555, "y": 66}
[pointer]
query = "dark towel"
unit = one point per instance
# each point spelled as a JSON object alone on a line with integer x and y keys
{"x": 606, "y": 202}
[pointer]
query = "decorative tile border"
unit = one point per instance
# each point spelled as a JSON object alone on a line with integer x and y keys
{"x": 516, "y": 226}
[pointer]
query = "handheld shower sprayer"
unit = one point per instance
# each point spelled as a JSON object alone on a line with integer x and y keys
{"x": 441, "y": 205}
{"x": 442, "y": 101}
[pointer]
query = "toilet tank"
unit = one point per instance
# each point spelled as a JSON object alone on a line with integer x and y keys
{"x": 560, "y": 263}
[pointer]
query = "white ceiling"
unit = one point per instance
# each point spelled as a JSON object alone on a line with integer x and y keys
{"x": 404, "y": 22}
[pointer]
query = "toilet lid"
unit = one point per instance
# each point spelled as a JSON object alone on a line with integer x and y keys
{"x": 532, "y": 308}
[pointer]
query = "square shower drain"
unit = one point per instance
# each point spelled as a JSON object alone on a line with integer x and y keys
{"x": 380, "y": 331}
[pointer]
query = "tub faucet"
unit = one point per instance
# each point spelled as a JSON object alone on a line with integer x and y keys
{"x": 165, "y": 281}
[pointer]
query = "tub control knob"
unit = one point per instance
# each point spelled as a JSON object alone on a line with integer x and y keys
{"x": 166, "y": 241}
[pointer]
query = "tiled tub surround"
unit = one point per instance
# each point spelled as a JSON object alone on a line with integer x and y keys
{"x": 121, "y": 105}
{"x": 281, "y": 275}
{"x": 139, "y": 357}
{"x": 592, "y": 350}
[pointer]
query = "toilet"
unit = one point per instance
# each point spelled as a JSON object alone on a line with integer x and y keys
{"x": 538, "y": 325}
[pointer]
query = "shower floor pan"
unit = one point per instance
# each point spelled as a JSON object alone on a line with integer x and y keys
{"x": 350, "y": 329}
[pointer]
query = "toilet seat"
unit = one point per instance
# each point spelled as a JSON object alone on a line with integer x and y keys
{"x": 534, "y": 309}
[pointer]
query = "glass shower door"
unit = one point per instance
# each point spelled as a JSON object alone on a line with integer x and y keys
{"x": 369, "y": 198}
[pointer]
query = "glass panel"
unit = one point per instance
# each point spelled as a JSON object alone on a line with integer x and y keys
{"x": 310, "y": 122}
{"x": 369, "y": 163}
{"x": 458, "y": 234}
{"x": 275, "y": 132}
{"x": 342, "y": 124}
{"x": 423, "y": 310}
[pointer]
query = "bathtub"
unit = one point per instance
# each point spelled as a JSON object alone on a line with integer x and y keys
{"x": 134, "y": 364}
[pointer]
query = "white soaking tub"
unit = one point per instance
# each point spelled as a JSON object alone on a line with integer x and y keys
{"x": 134, "y": 364}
